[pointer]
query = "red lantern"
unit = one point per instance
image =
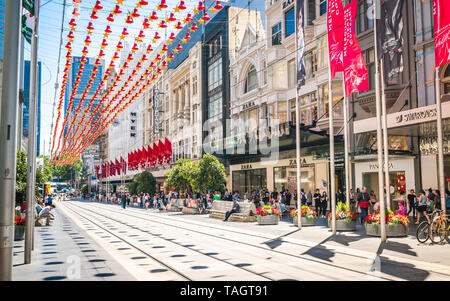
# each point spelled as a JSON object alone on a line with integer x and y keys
{"x": 108, "y": 29}
{"x": 98, "y": 5}
{"x": 135, "y": 13}
{"x": 163, "y": 4}
{"x": 206, "y": 17}
{"x": 218, "y": 5}
{"x": 201, "y": 6}
{"x": 94, "y": 15}
{"x": 146, "y": 24}
{"x": 163, "y": 24}
{"x": 172, "y": 36}
{"x": 110, "y": 18}
{"x": 76, "y": 12}
{"x": 164, "y": 49}
{"x": 72, "y": 22}
{"x": 143, "y": 2}
{"x": 194, "y": 27}
{"x": 157, "y": 36}
{"x": 182, "y": 6}
{"x": 129, "y": 20}
{"x": 179, "y": 26}
{"x": 179, "y": 48}
{"x": 117, "y": 10}
{"x": 154, "y": 16}
{"x": 188, "y": 36}
{"x": 90, "y": 26}
{"x": 125, "y": 32}
{"x": 172, "y": 17}
{"x": 188, "y": 18}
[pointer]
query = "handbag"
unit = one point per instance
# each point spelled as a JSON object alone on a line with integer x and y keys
{"x": 359, "y": 210}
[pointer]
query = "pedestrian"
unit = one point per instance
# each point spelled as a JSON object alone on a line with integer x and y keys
{"x": 422, "y": 207}
{"x": 317, "y": 201}
{"x": 412, "y": 202}
{"x": 324, "y": 204}
{"x": 303, "y": 198}
{"x": 235, "y": 209}
{"x": 124, "y": 202}
{"x": 447, "y": 201}
{"x": 372, "y": 201}
{"x": 309, "y": 199}
{"x": 352, "y": 201}
{"x": 437, "y": 199}
{"x": 363, "y": 203}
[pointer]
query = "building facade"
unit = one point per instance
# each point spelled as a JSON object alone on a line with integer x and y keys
{"x": 25, "y": 108}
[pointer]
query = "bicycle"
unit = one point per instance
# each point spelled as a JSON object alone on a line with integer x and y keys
{"x": 424, "y": 231}
{"x": 440, "y": 227}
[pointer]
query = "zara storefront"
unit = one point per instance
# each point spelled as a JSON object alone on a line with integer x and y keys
{"x": 280, "y": 174}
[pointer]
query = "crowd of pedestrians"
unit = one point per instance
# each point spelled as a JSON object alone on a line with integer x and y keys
{"x": 362, "y": 202}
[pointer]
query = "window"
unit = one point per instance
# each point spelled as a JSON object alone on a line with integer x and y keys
{"x": 310, "y": 63}
{"x": 323, "y": 7}
{"x": 292, "y": 106}
{"x": 215, "y": 106}
{"x": 289, "y": 19}
{"x": 251, "y": 82}
{"x": 292, "y": 74}
{"x": 308, "y": 105}
{"x": 282, "y": 112}
{"x": 215, "y": 75}
{"x": 276, "y": 35}
{"x": 369, "y": 59}
{"x": 311, "y": 12}
{"x": 194, "y": 85}
{"x": 278, "y": 75}
{"x": 364, "y": 15}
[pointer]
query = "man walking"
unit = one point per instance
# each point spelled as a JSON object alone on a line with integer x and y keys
{"x": 363, "y": 203}
{"x": 235, "y": 209}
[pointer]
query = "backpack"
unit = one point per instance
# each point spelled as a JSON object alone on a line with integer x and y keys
{"x": 303, "y": 198}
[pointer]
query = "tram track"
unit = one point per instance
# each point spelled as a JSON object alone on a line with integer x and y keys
{"x": 162, "y": 221}
{"x": 144, "y": 216}
{"x": 158, "y": 237}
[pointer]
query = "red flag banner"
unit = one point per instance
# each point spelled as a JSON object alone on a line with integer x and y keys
{"x": 155, "y": 154}
{"x": 168, "y": 149}
{"x": 335, "y": 27}
{"x": 441, "y": 9}
{"x": 355, "y": 72}
{"x": 149, "y": 155}
{"x": 161, "y": 152}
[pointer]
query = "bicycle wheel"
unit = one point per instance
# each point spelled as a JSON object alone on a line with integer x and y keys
{"x": 423, "y": 232}
{"x": 444, "y": 231}
{"x": 435, "y": 231}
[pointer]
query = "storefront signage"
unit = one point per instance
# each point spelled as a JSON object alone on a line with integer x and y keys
{"x": 246, "y": 166}
{"x": 248, "y": 105}
{"x": 374, "y": 166}
{"x": 293, "y": 162}
{"x": 413, "y": 116}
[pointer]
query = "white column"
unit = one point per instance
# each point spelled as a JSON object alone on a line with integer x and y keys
{"x": 439, "y": 140}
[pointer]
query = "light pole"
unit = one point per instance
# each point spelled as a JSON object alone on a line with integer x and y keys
{"x": 8, "y": 134}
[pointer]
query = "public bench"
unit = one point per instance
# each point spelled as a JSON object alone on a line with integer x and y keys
{"x": 246, "y": 213}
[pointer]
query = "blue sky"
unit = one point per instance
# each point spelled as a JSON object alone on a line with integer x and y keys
{"x": 50, "y": 25}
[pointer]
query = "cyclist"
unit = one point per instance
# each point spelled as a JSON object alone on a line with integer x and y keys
{"x": 422, "y": 208}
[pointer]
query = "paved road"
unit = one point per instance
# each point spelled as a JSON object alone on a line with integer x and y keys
{"x": 152, "y": 245}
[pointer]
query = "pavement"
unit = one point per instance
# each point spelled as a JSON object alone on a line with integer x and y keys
{"x": 152, "y": 245}
{"x": 62, "y": 251}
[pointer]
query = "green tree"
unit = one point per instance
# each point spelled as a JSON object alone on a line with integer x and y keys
{"x": 181, "y": 176}
{"x": 144, "y": 182}
{"x": 210, "y": 175}
{"x": 67, "y": 173}
{"x": 84, "y": 189}
{"x": 21, "y": 172}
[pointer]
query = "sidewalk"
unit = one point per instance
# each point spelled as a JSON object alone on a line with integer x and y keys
{"x": 63, "y": 251}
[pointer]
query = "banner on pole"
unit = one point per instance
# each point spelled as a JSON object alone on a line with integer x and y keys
{"x": 300, "y": 36}
{"x": 441, "y": 9}
{"x": 356, "y": 76}
{"x": 389, "y": 37}
{"x": 335, "y": 28}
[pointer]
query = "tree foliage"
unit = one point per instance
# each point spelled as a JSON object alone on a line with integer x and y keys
{"x": 67, "y": 173}
{"x": 144, "y": 182}
{"x": 84, "y": 189}
{"x": 181, "y": 176}
{"x": 210, "y": 175}
{"x": 42, "y": 175}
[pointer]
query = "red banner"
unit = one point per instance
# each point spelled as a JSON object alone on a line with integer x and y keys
{"x": 441, "y": 9}
{"x": 335, "y": 27}
{"x": 355, "y": 72}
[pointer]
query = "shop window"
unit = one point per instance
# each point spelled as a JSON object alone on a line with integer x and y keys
{"x": 249, "y": 180}
{"x": 286, "y": 178}
{"x": 369, "y": 59}
{"x": 310, "y": 63}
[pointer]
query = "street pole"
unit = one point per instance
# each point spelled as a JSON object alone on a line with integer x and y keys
{"x": 332, "y": 182}
{"x": 346, "y": 148}
{"x": 385, "y": 140}
{"x": 31, "y": 156}
{"x": 439, "y": 141}
{"x": 297, "y": 135}
{"x": 8, "y": 134}
{"x": 379, "y": 132}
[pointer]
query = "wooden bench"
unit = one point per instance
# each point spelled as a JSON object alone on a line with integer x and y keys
{"x": 219, "y": 209}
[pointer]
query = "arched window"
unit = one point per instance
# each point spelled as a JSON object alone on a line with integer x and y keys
{"x": 251, "y": 82}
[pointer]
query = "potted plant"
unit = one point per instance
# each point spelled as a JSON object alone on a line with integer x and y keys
{"x": 19, "y": 228}
{"x": 397, "y": 225}
{"x": 267, "y": 216}
{"x": 345, "y": 218}
{"x": 309, "y": 216}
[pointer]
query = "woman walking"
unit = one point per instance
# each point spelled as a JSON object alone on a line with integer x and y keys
{"x": 412, "y": 201}
{"x": 324, "y": 204}
{"x": 422, "y": 208}
{"x": 373, "y": 200}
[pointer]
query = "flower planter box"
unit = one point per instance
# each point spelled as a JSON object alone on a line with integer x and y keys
{"x": 19, "y": 232}
{"x": 306, "y": 222}
{"x": 344, "y": 225}
{"x": 267, "y": 219}
{"x": 394, "y": 230}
